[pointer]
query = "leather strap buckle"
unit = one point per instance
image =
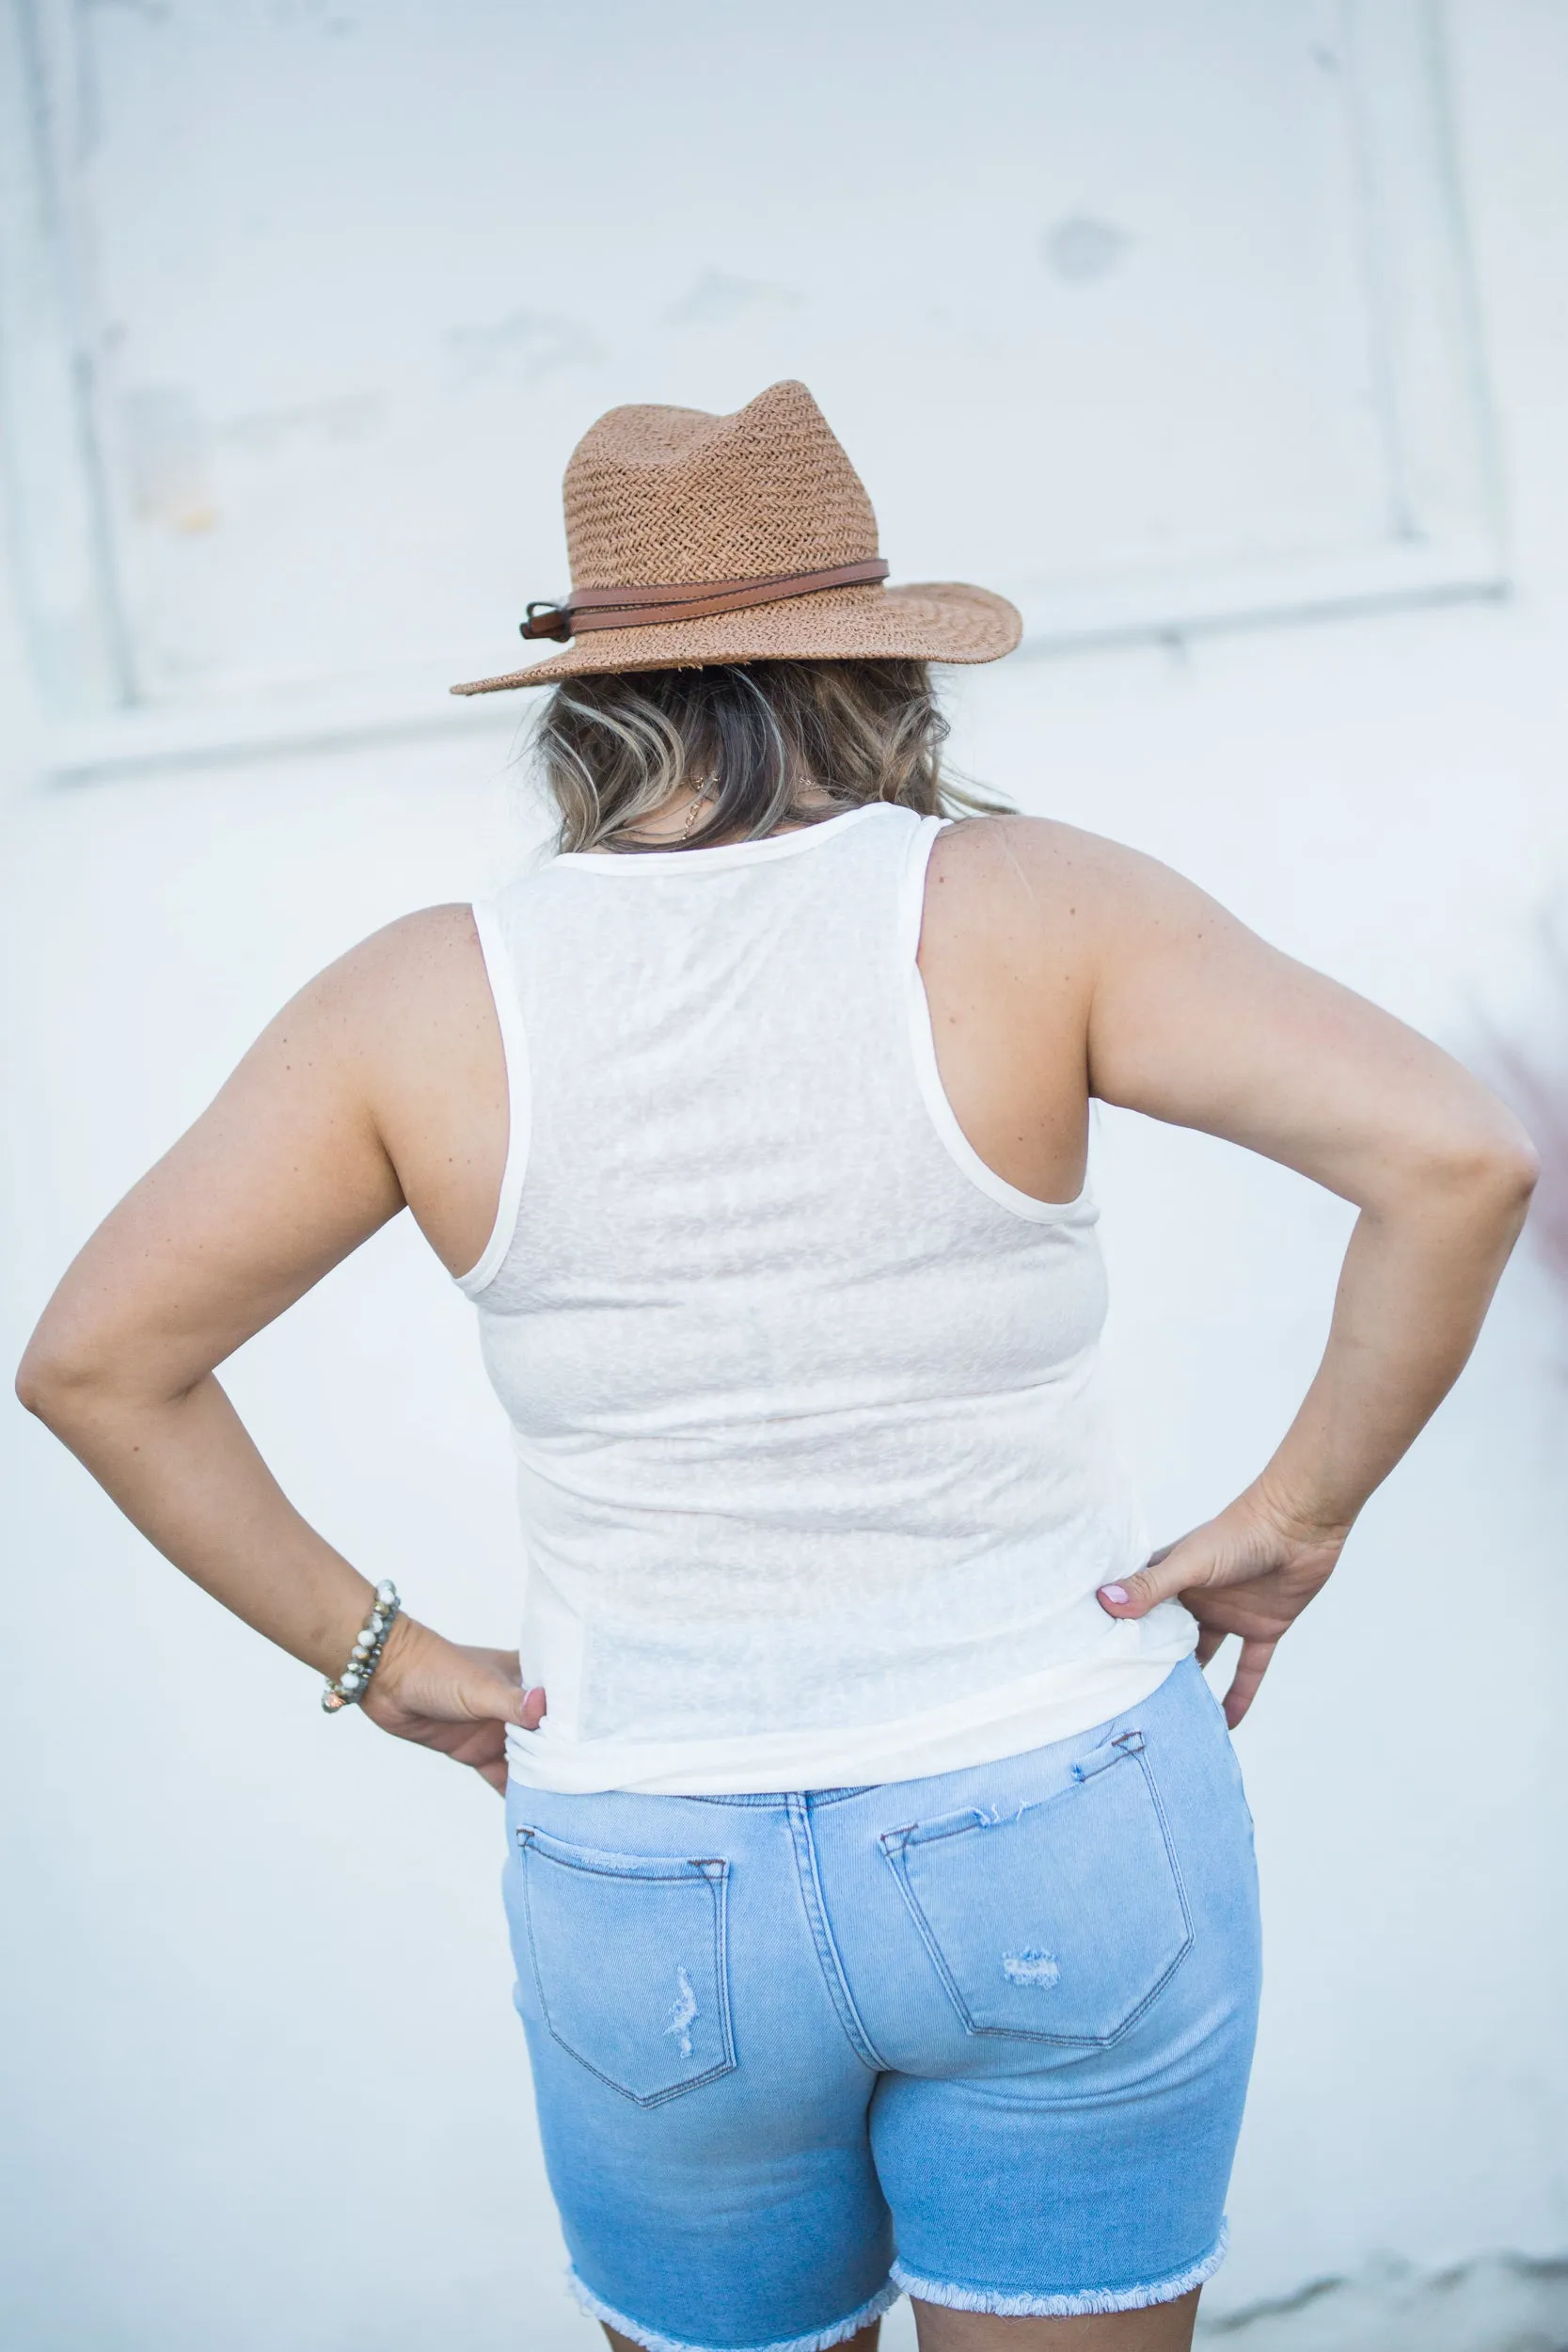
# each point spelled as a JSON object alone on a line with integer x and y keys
{"x": 559, "y": 625}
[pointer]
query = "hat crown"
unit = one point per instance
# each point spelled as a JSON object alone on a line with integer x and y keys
{"x": 657, "y": 496}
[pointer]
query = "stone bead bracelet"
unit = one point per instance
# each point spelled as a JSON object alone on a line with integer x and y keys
{"x": 354, "y": 1681}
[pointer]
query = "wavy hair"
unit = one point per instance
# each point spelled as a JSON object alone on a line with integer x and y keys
{"x": 768, "y": 744}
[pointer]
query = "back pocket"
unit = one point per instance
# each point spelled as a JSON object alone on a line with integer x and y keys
{"x": 628, "y": 1954}
{"x": 1060, "y": 1922}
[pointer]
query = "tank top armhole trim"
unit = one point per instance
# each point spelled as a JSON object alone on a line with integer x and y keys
{"x": 509, "y": 1017}
{"x": 924, "y": 1051}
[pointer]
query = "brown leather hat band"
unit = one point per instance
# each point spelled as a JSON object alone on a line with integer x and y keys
{"x": 588, "y": 609}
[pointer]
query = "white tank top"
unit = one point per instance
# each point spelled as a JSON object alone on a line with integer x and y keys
{"x": 814, "y": 1465}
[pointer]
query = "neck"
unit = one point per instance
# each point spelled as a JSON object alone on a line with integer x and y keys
{"x": 670, "y": 825}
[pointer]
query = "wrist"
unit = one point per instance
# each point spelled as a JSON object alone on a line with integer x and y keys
{"x": 343, "y": 1613}
{"x": 350, "y": 1686}
{"x": 403, "y": 1642}
{"x": 1297, "y": 1520}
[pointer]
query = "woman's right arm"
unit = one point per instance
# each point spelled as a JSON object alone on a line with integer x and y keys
{"x": 1194, "y": 1020}
{"x": 382, "y": 1082}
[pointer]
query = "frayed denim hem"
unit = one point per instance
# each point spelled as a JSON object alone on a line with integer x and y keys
{"x": 822, "y": 2341}
{"x": 1063, "y": 2306}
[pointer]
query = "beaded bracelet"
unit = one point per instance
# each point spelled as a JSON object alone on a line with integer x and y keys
{"x": 354, "y": 1681}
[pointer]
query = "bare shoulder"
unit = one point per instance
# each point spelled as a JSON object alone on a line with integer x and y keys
{"x": 407, "y": 1002}
{"x": 1041, "y": 863}
{"x": 1052, "y": 900}
{"x": 407, "y": 1022}
{"x": 423, "y": 966}
{"x": 416, "y": 986}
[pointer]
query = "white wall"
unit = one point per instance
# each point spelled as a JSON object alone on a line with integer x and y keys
{"x": 1185, "y": 274}
{"x": 267, "y": 2088}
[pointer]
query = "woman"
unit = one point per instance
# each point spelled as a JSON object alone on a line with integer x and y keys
{"x": 881, "y": 1879}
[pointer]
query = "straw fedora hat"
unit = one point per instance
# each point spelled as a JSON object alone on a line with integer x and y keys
{"x": 696, "y": 539}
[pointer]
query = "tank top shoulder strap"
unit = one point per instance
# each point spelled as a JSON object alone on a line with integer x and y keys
{"x": 490, "y": 924}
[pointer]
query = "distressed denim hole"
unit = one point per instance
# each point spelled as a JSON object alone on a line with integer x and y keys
{"x": 656, "y": 2024}
{"x": 1040, "y": 1969}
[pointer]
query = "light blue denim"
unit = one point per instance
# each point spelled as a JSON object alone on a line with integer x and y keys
{"x": 983, "y": 2037}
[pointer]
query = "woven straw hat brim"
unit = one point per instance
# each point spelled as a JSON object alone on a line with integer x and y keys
{"x": 936, "y": 620}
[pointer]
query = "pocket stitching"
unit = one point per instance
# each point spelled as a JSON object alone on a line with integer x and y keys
{"x": 1024, "y": 2033}
{"x": 714, "y": 1878}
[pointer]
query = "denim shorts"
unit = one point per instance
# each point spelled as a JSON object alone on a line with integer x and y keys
{"x": 981, "y": 2038}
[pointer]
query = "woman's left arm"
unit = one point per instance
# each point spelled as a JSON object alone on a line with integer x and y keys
{"x": 1194, "y": 1020}
{"x": 287, "y": 1172}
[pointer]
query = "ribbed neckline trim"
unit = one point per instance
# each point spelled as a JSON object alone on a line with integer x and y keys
{"x": 724, "y": 854}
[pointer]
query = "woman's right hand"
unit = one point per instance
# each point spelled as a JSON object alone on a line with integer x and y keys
{"x": 1250, "y": 1571}
{"x": 453, "y": 1698}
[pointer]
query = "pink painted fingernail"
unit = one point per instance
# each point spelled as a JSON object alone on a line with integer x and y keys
{"x": 1117, "y": 1593}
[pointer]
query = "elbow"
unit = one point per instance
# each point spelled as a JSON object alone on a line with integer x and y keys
{"x": 77, "y": 1374}
{"x": 1495, "y": 1169}
{"x": 1523, "y": 1171}
{"x": 41, "y": 1386}
{"x": 57, "y": 1384}
{"x": 1508, "y": 1168}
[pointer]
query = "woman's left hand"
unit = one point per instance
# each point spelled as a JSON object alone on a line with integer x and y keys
{"x": 451, "y": 1697}
{"x": 1250, "y": 1571}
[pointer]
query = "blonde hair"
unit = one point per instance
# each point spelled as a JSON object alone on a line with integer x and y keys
{"x": 769, "y": 744}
